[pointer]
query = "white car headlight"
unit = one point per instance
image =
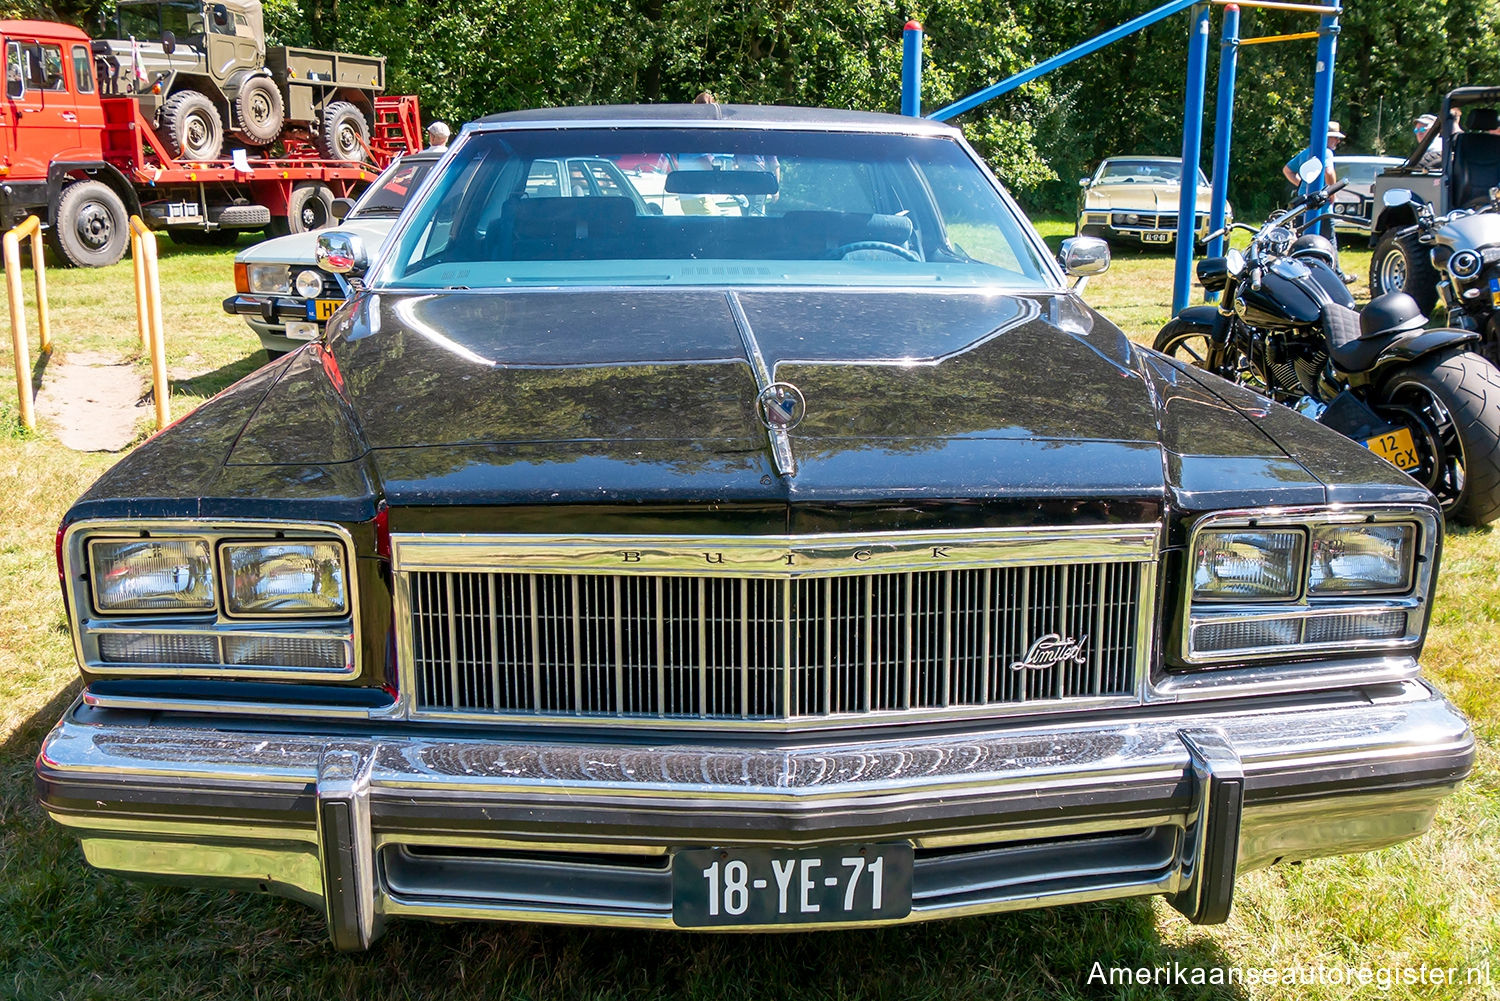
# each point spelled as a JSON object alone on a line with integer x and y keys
{"x": 1247, "y": 565}
{"x": 270, "y": 278}
{"x": 152, "y": 575}
{"x": 1362, "y": 559}
{"x": 309, "y": 284}
{"x": 285, "y": 578}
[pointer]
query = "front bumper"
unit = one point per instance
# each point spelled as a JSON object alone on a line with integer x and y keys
{"x": 267, "y": 315}
{"x": 418, "y": 823}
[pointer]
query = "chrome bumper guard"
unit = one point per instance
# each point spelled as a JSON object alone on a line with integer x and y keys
{"x": 268, "y": 308}
{"x": 417, "y": 824}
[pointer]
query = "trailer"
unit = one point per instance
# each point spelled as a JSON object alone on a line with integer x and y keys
{"x": 85, "y": 162}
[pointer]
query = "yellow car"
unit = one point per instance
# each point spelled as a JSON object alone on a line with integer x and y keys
{"x": 1134, "y": 199}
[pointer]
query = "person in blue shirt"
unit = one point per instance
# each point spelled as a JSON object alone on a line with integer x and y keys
{"x": 1335, "y": 136}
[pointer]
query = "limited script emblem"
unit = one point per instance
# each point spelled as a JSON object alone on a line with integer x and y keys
{"x": 781, "y": 406}
{"x": 1051, "y": 650}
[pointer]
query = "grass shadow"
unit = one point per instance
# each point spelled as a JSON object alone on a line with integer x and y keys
{"x": 206, "y": 384}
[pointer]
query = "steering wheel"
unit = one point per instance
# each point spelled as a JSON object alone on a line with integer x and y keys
{"x": 844, "y": 250}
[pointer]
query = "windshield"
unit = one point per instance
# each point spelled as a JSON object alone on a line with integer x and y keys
{"x": 1144, "y": 171}
{"x": 1363, "y": 172}
{"x": 392, "y": 190}
{"x": 709, "y": 206}
{"x": 148, "y": 21}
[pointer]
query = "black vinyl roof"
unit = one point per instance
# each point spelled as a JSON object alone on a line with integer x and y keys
{"x": 770, "y": 116}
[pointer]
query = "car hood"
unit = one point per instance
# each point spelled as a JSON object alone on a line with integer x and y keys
{"x": 301, "y": 248}
{"x": 1148, "y": 197}
{"x": 636, "y": 410}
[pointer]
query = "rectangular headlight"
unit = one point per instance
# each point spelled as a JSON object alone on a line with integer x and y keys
{"x": 272, "y": 278}
{"x": 1247, "y": 565}
{"x": 285, "y": 578}
{"x": 1362, "y": 559}
{"x": 152, "y": 575}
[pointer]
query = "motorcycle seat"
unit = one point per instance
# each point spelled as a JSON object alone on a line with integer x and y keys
{"x": 1350, "y": 349}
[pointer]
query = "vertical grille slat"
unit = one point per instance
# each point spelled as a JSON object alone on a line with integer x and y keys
{"x": 642, "y": 645}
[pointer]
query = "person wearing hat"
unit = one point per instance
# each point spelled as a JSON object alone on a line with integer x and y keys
{"x": 1335, "y": 136}
{"x": 1432, "y": 156}
{"x": 438, "y": 134}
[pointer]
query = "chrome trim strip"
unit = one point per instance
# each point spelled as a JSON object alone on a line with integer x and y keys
{"x": 780, "y": 438}
{"x": 156, "y": 703}
{"x": 774, "y": 555}
{"x": 87, "y": 625}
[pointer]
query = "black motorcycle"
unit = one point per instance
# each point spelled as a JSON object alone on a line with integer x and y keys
{"x": 1455, "y": 256}
{"x": 1286, "y": 326}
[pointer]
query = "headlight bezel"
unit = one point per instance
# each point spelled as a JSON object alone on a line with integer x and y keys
{"x": 1310, "y": 610}
{"x": 258, "y": 269}
{"x": 329, "y": 643}
{"x": 95, "y": 543}
{"x": 224, "y": 553}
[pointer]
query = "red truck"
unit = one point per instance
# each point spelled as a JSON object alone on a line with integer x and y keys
{"x": 85, "y": 162}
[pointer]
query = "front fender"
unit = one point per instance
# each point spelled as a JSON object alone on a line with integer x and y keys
{"x": 1199, "y": 316}
{"x": 1409, "y": 349}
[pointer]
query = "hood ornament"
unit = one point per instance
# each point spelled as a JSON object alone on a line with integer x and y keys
{"x": 781, "y": 406}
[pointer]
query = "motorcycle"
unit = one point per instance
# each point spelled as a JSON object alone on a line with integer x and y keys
{"x": 1286, "y": 326}
{"x": 1455, "y": 256}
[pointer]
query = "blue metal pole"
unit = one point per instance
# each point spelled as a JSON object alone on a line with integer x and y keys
{"x": 911, "y": 69}
{"x": 1229, "y": 51}
{"x": 1076, "y": 52}
{"x": 1328, "y": 34}
{"x": 1192, "y": 149}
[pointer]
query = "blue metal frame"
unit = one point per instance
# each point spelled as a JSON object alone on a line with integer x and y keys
{"x": 1229, "y": 51}
{"x": 1328, "y": 34}
{"x": 911, "y": 69}
{"x": 1192, "y": 151}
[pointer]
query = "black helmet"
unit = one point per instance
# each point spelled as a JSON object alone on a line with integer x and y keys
{"x": 1314, "y": 245}
{"x": 1392, "y": 313}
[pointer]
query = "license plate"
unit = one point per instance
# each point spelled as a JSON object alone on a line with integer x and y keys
{"x": 1156, "y": 237}
{"x": 1495, "y": 291}
{"x": 1396, "y": 447}
{"x": 322, "y": 309}
{"x": 768, "y": 886}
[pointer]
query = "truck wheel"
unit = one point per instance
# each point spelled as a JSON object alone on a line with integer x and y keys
{"x": 345, "y": 132}
{"x": 89, "y": 227}
{"x": 191, "y": 126}
{"x": 259, "y": 112}
{"x": 1401, "y": 264}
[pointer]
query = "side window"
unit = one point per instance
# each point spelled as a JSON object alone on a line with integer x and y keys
{"x": 827, "y": 186}
{"x": 15, "y": 78}
{"x": 52, "y": 68}
{"x": 542, "y": 181}
{"x": 605, "y": 180}
{"x": 977, "y": 224}
{"x": 83, "y": 69}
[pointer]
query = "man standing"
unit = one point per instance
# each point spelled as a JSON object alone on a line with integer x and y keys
{"x": 1432, "y": 156}
{"x": 438, "y": 134}
{"x": 1335, "y": 136}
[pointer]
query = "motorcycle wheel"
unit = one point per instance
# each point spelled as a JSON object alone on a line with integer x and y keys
{"x": 1452, "y": 405}
{"x": 1189, "y": 343}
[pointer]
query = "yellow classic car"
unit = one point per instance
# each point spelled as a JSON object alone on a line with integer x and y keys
{"x": 1135, "y": 198}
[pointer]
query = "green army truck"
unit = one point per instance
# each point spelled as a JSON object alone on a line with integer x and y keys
{"x": 200, "y": 67}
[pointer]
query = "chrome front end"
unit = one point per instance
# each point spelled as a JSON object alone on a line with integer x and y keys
{"x": 407, "y": 821}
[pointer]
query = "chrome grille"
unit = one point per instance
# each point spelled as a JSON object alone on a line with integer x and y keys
{"x": 768, "y": 647}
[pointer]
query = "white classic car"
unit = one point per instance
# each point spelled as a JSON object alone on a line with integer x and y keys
{"x": 1135, "y": 199}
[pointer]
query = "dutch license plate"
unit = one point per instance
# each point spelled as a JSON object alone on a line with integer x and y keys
{"x": 1396, "y": 447}
{"x": 324, "y": 308}
{"x": 1156, "y": 237}
{"x": 767, "y": 886}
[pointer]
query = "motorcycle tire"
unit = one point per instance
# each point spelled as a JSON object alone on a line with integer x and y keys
{"x": 1190, "y": 343}
{"x": 1401, "y": 264}
{"x": 1452, "y": 403}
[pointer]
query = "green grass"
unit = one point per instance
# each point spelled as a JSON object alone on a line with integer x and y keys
{"x": 67, "y": 931}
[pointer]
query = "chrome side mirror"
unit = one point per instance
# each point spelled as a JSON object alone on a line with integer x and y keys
{"x": 1392, "y": 197}
{"x": 1084, "y": 256}
{"x": 1083, "y": 182}
{"x": 342, "y": 253}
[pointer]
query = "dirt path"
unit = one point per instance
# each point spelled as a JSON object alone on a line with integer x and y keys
{"x": 92, "y": 402}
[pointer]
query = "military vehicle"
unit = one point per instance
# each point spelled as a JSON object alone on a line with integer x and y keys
{"x": 199, "y": 67}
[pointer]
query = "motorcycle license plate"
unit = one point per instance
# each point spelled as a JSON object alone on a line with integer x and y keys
{"x": 1156, "y": 237}
{"x": 1396, "y": 447}
{"x": 774, "y": 886}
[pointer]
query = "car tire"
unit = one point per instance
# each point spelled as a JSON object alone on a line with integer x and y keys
{"x": 258, "y": 111}
{"x": 90, "y": 228}
{"x": 1401, "y": 264}
{"x": 345, "y": 134}
{"x": 1456, "y": 401}
{"x": 191, "y": 126}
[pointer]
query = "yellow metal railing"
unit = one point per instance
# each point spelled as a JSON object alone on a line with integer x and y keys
{"x": 30, "y": 228}
{"x": 148, "y": 314}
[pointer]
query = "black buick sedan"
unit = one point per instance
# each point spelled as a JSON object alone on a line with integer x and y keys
{"x": 782, "y": 541}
